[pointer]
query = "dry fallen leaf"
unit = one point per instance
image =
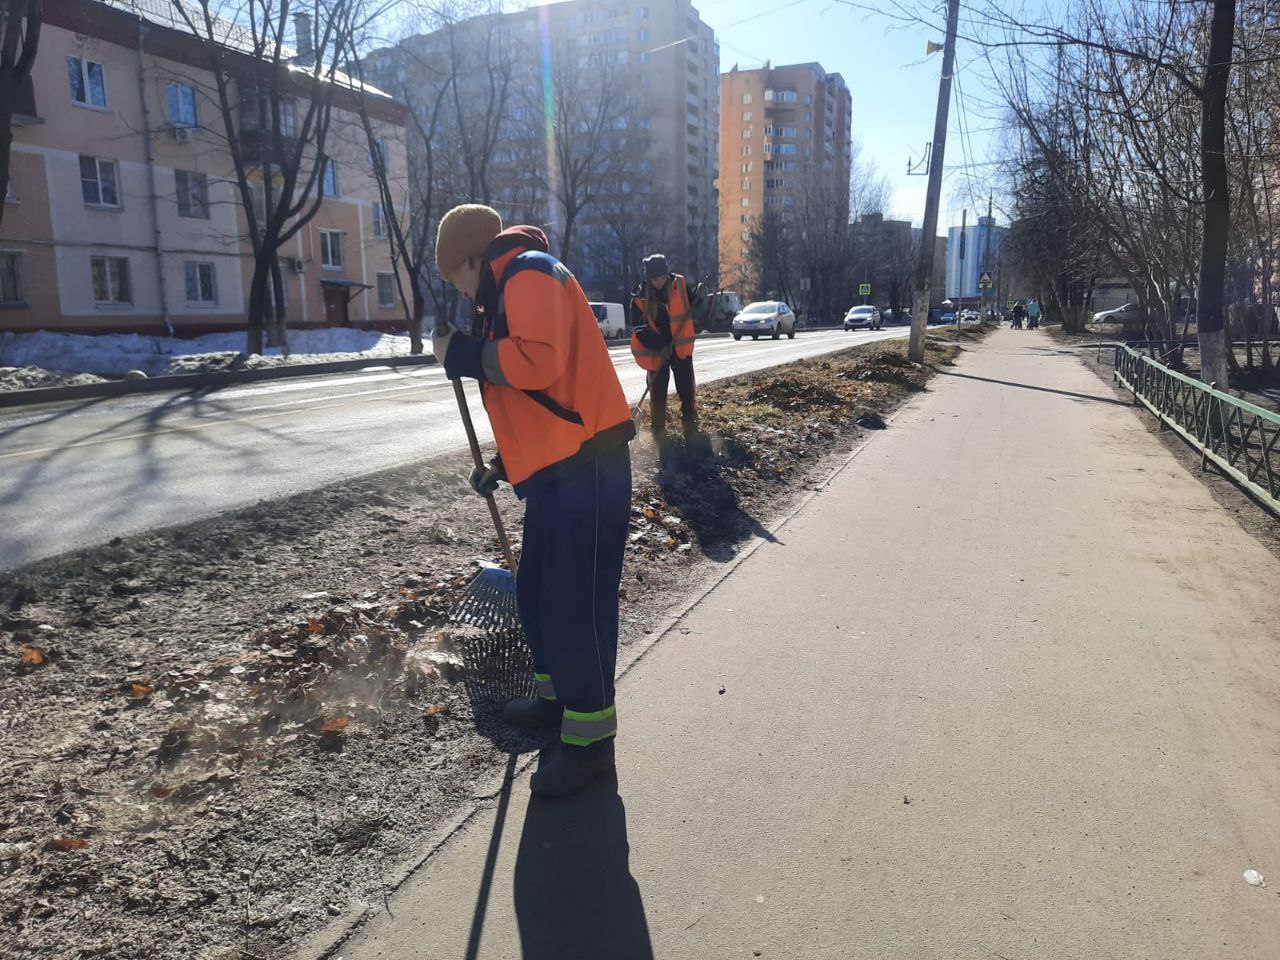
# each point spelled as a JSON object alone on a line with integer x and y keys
{"x": 140, "y": 691}
{"x": 30, "y": 656}
{"x": 314, "y": 625}
{"x": 434, "y": 709}
{"x": 334, "y": 725}
{"x": 160, "y": 793}
{"x": 65, "y": 844}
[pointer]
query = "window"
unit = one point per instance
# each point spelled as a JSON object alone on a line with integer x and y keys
{"x": 182, "y": 105}
{"x": 193, "y": 194}
{"x": 746, "y": 168}
{"x": 98, "y": 182}
{"x": 746, "y": 133}
{"x": 288, "y": 118}
{"x": 377, "y": 153}
{"x": 88, "y": 83}
{"x": 746, "y": 150}
{"x": 746, "y": 201}
{"x": 10, "y": 277}
{"x": 642, "y": 36}
{"x": 746, "y": 98}
{"x": 642, "y": 57}
{"x": 642, "y": 13}
{"x": 202, "y": 284}
{"x": 379, "y": 222}
{"x": 746, "y": 116}
{"x": 110, "y": 277}
{"x": 259, "y": 194}
{"x": 255, "y": 114}
{"x": 331, "y": 248}
{"x": 386, "y": 290}
{"x": 329, "y": 183}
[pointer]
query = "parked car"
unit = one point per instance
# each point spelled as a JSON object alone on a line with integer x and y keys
{"x": 726, "y": 304}
{"x": 900, "y": 317}
{"x": 867, "y": 315}
{"x": 612, "y": 318}
{"x": 970, "y": 316}
{"x": 1128, "y": 313}
{"x": 948, "y": 316}
{"x": 765, "y": 316}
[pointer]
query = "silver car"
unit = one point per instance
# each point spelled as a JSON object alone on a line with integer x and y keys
{"x": 765, "y": 317}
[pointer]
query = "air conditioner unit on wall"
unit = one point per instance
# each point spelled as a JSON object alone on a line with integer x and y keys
{"x": 180, "y": 134}
{"x": 298, "y": 265}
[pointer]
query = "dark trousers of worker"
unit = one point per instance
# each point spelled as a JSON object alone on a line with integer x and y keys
{"x": 575, "y": 535}
{"x": 686, "y": 388}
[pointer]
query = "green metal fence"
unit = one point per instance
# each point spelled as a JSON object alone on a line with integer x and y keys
{"x": 1237, "y": 437}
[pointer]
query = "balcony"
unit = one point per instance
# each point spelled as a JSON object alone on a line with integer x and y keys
{"x": 24, "y": 106}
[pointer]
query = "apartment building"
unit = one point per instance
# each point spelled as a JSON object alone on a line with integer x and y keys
{"x": 972, "y": 250}
{"x": 668, "y": 63}
{"x": 124, "y": 214}
{"x": 781, "y": 128}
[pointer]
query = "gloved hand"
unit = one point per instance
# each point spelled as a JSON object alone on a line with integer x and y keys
{"x": 440, "y": 340}
{"x": 485, "y": 480}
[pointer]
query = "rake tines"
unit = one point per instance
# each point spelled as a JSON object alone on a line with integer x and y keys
{"x": 489, "y": 603}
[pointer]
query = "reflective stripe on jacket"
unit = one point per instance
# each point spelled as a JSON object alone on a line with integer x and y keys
{"x": 550, "y": 389}
{"x": 682, "y": 332}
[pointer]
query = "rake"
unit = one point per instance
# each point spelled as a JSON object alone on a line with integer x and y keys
{"x": 497, "y": 662}
{"x": 490, "y": 599}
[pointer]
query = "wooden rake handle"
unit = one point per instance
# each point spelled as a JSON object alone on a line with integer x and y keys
{"x": 478, "y": 457}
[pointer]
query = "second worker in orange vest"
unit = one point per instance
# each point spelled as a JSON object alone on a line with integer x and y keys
{"x": 662, "y": 318}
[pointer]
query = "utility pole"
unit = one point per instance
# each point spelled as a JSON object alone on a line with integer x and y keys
{"x": 964, "y": 243}
{"x": 924, "y": 266}
{"x": 986, "y": 264}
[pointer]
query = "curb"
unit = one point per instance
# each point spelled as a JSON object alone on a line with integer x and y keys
{"x": 118, "y": 388}
{"x": 326, "y": 942}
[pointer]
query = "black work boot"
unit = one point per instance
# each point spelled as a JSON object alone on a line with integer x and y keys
{"x": 533, "y": 713}
{"x": 568, "y": 768}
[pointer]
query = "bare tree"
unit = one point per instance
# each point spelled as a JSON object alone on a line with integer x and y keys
{"x": 19, "y": 40}
{"x": 276, "y": 107}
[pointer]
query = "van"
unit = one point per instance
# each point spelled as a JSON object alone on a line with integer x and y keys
{"x": 612, "y": 319}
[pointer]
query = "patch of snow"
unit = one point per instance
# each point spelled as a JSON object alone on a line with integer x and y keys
{"x": 110, "y": 355}
{"x": 27, "y": 378}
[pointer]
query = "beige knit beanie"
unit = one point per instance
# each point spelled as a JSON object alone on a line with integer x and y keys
{"x": 465, "y": 231}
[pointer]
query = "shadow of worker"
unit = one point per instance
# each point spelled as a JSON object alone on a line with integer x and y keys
{"x": 575, "y": 897}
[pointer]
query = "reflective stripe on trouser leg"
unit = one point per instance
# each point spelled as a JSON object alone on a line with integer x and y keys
{"x": 542, "y": 683}
{"x": 583, "y": 729}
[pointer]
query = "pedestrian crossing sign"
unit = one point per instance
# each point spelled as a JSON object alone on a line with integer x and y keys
{"x": 984, "y": 281}
{"x": 864, "y": 289}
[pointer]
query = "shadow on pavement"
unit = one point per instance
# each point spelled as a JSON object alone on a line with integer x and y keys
{"x": 574, "y": 893}
{"x": 1031, "y": 386}
{"x": 692, "y": 480}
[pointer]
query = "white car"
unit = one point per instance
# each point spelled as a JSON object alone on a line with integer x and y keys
{"x": 1126, "y": 313}
{"x": 612, "y": 318}
{"x": 866, "y": 315}
{"x": 765, "y": 316}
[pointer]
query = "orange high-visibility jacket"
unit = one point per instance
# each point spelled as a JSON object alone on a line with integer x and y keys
{"x": 682, "y": 332}
{"x": 549, "y": 386}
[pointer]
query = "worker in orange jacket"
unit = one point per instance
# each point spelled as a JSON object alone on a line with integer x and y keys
{"x": 662, "y": 343}
{"x": 562, "y": 425}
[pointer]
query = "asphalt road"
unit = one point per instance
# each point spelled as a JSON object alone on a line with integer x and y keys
{"x": 77, "y": 474}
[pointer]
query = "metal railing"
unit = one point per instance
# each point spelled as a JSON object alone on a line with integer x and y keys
{"x": 1237, "y": 437}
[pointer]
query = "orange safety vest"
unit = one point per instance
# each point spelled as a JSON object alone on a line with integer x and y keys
{"x": 562, "y": 398}
{"x": 682, "y": 332}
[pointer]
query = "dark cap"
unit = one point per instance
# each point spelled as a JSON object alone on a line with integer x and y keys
{"x": 655, "y": 266}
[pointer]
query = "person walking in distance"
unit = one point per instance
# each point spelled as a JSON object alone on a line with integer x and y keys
{"x": 662, "y": 343}
{"x": 562, "y": 426}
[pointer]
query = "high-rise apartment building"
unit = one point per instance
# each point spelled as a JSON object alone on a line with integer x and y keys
{"x": 782, "y": 130}
{"x": 664, "y": 63}
{"x": 969, "y": 256}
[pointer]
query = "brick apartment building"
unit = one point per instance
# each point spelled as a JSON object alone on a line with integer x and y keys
{"x": 123, "y": 212}
{"x": 669, "y": 61}
{"x": 778, "y": 125}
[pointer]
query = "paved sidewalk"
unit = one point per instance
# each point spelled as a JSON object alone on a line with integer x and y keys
{"x": 1009, "y": 687}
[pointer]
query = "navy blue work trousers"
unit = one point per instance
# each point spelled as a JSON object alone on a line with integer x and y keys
{"x": 575, "y": 535}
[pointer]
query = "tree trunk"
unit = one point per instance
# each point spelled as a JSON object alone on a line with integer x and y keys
{"x": 257, "y": 309}
{"x": 415, "y": 324}
{"x": 279, "y": 315}
{"x": 1217, "y": 204}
